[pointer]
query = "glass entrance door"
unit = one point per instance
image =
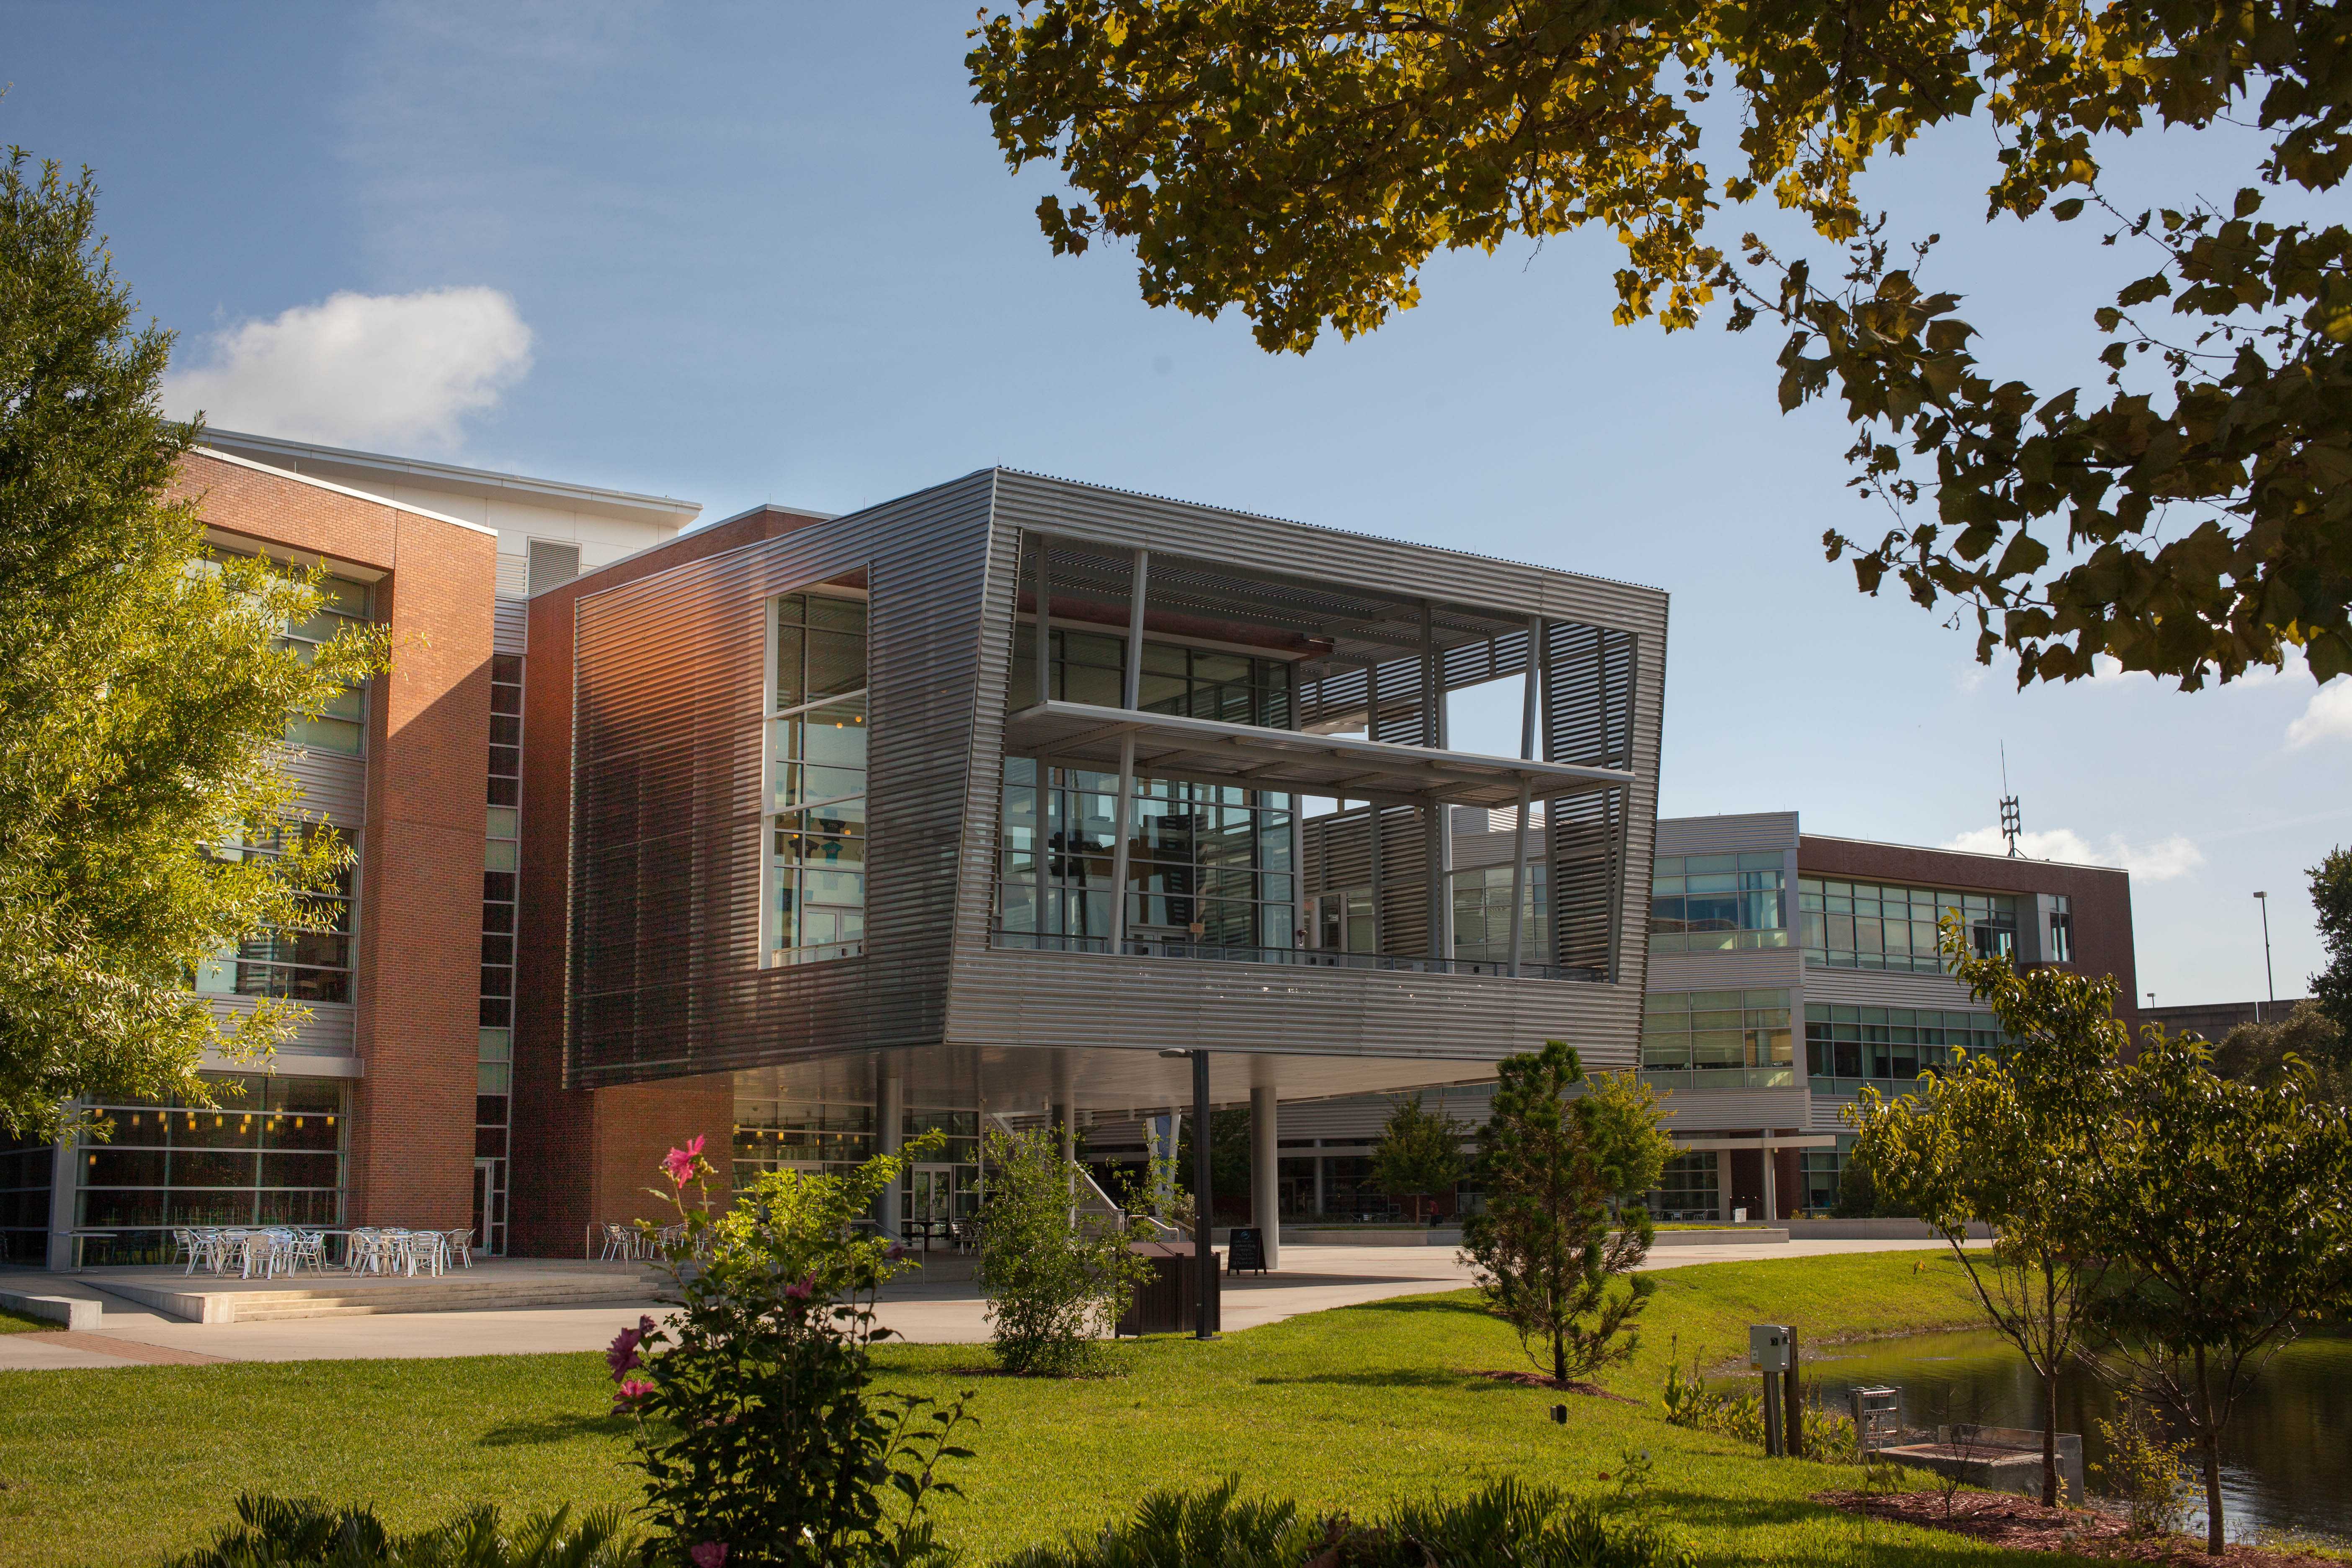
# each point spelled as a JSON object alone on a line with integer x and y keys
{"x": 931, "y": 1205}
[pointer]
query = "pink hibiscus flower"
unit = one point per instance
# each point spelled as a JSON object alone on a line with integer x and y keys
{"x": 679, "y": 1163}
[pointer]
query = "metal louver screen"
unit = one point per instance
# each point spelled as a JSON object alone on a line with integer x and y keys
{"x": 1589, "y": 719}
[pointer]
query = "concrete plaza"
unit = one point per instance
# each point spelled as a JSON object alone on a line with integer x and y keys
{"x": 944, "y": 1308}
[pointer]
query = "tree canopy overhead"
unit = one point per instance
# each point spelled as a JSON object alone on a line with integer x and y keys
{"x": 1299, "y": 159}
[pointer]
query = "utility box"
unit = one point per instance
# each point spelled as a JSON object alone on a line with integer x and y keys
{"x": 1767, "y": 1347}
{"x": 1878, "y": 1417}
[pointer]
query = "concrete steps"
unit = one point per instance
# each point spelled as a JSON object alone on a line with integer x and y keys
{"x": 504, "y": 1288}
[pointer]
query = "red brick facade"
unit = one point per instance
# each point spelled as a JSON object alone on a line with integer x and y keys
{"x": 2101, "y": 896}
{"x": 585, "y": 1158}
{"x": 416, "y": 972}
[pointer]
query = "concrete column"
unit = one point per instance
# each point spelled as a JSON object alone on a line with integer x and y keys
{"x": 65, "y": 1201}
{"x": 1723, "y": 1184}
{"x": 1266, "y": 1170}
{"x": 1772, "y": 1196}
{"x": 1319, "y": 1181}
{"x": 889, "y": 1136}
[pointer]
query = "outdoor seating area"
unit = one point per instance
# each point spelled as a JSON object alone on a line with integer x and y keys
{"x": 271, "y": 1251}
{"x": 632, "y": 1243}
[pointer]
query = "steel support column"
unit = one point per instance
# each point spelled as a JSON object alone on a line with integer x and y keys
{"x": 889, "y": 1133}
{"x": 1265, "y": 1169}
{"x": 1132, "y": 697}
{"x": 1528, "y": 708}
{"x": 1205, "y": 1255}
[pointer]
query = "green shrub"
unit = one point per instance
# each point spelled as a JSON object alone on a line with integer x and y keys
{"x": 1506, "y": 1525}
{"x": 1055, "y": 1280}
{"x": 2145, "y": 1473}
{"x": 761, "y": 1439}
{"x": 304, "y": 1533}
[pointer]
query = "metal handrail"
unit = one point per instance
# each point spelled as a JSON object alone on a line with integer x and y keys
{"x": 1303, "y": 957}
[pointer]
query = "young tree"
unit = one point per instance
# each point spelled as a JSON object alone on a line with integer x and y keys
{"x": 2016, "y": 1145}
{"x": 1301, "y": 160}
{"x": 2265, "y": 1052}
{"x": 144, "y": 693}
{"x": 2228, "y": 1206}
{"x": 2331, "y": 901}
{"x": 1555, "y": 1232}
{"x": 1419, "y": 1152}
{"x": 1053, "y": 1282}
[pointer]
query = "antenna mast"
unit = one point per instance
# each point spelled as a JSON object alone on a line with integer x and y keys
{"x": 2013, "y": 822}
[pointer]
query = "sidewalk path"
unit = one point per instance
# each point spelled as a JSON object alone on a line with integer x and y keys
{"x": 1314, "y": 1279}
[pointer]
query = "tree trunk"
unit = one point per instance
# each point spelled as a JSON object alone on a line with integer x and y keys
{"x": 2212, "y": 1445}
{"x": 2049, "y": 1438}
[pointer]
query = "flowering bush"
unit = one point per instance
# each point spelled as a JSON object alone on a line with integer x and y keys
{"x": 761, "y": 1439}
{"x": 1054, "y": 1280}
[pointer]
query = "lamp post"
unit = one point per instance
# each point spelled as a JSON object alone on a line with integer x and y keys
{"x": 2269, "y": 982}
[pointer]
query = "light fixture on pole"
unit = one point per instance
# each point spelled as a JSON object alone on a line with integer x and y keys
{"x": 2269, "y": 983}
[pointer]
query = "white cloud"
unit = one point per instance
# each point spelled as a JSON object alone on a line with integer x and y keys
{"x": 2159, "y": 862}
{"x": 2326, "y": 717}
{"x": 399, "y": 371}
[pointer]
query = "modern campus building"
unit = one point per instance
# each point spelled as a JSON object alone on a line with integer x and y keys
{"x": 1786, "y": 971}
{"x": 804, "y": 834}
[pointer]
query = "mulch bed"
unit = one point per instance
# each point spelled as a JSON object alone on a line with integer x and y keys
{"x": 1538, "y": 1379}
{"x": 2024, "y": 1525}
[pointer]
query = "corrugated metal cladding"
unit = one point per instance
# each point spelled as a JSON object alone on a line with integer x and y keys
{"x": 1723, "y": 971}
{"x": 513, "y": 581}
{"x": 510, "y": 624}
{"x": 1875, "y": 988}
{"x": 666, "y": 828}
{"x": 667, "y": 848}
{"x": 1695, "y": 1113}
{"x": 332, "y": 786}
{"x": 1754, "y": 832}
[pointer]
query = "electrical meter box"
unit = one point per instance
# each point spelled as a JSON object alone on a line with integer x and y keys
{"x": 1767, "y": 1347}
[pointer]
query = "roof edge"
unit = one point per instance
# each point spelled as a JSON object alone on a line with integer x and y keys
{"x": 424, "y": 467}
{"x": 218, "y": 456}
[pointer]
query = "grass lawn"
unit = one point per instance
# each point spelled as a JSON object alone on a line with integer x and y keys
{"x": 17, "y": 1323}
{"x": 1347, "y": 1408}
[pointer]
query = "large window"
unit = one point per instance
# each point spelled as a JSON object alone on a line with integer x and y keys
{"x": 1687, "y": 1189}
{"x": 270, "y": 1155}
{"x": 1482, "y": 915}
{"x": 1867, "y": 925}
{"x": 494, "y": 1053}
{"x": 1726, "y": 1039}
{"x": 1207, "y": 864}
{"x": 305, "y": 965}
{"x": 1716, "y": 903}
{"x": 817, "y": 779}
{"x": 341, "y": 725}
{"x": 27, "y": 1169}
{"x": 1890, "y": 1043}
{"x": 1091, "y": 666}
{"x": 1344, "y": 922}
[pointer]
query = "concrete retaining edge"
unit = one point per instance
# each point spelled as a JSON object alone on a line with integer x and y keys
{"x": 77, "y": 1315}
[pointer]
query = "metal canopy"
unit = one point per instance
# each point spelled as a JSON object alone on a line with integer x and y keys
{"x": 1211, "y": 751}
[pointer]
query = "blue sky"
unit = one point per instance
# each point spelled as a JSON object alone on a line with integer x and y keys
{"x": 769, "y": 252}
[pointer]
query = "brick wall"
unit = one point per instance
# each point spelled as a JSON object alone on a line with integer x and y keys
{"x": 2101, "y": 896}
{"x": 581, "y": 1157}
{"x": 416, "y": 963}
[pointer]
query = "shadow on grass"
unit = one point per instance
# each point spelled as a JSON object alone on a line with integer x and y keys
{"x": 1703, "y": 1510}
{"x": 554, "y": 1430}
{"x": 1447, "y": 1303}
{"x": 1394, "y": 1377}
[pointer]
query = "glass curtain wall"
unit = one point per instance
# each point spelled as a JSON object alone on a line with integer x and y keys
{"x": 1867, "y": 925}
{"x": 1889, "y": 1044}
{"x": 1207, "y": 864}
{"x": 1482, "y": 914}
{"x": 1720, "y": 1039}
{"x": 1091, "y": 666}
{"x": 1718, "y": 903}
{"x": 816, "y": 752}
{"x": 27, "y": 1170}
{"x": 1687, "y": 1189}
{"x": 272, "y": 1154}
{"x": 500, "y": 877}
{"x": 304, "y": 965}
{"x": 341, "y": 725}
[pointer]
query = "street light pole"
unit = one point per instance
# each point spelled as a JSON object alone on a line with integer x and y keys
{"x": 1205, "y": 1256}
{"x": 2269, "y": 982}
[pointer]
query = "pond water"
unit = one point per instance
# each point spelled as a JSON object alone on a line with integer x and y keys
{"x": 2287, "y": 1459}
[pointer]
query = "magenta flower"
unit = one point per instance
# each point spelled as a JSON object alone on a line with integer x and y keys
{"x": 709, "y": 1555}
{"x": 894, "y": 1251}
{"x": 803, "y": 1289}
{"x": 632, "y": 1391}
{"x": 621, "y": 1355}
{"x": 679, "y": 1163}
